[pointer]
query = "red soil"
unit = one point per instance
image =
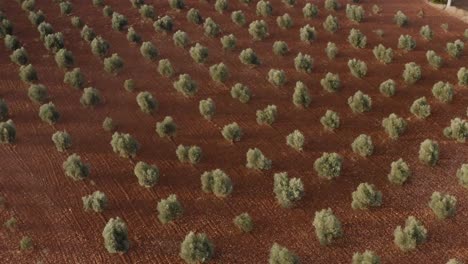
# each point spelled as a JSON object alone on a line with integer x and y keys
{"x": 48, "y": 205}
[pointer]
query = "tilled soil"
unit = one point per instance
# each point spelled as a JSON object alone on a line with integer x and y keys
{"x": 48, "y": 205}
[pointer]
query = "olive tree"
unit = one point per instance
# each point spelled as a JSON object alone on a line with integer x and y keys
{"x": 360, "y": 102}
{"x": 399, "y": 172}
{"x": 166, "y": 128}
{"x": 365, "y": 196}
{"x": 249, "y": 57}
{"x": 11, "y": 41}
{"x": 256, "y": 160}
{"x": 330, "y": 120}
{"x": 199, "y": 53}
{"x": 177, "y": 4}
{"x": 4, "y": 112}
{"x": 90, "y": 97}
{"x": 329, "y": 165}
{"x": 164, "y": 24}
{"x": 327, "y": 226}
{"x": 258, "y": 29}
{"x": 133, "y": 36}
{"x": 443, "y": 205}
{"x": 443, "y": 91}
{"x": 232, "y": 132}
{"x": 462, "y": 175}
{"x": 38, "y": 93}
{"x": 7, "y": 132}
{"x": 406, "y": 42}
{"x": 426, "y": 32}
{"x": 363, "y": 145}
{"x": 455, "y": 49}
{"x": 49, "y": 113}
{"x": 169, "y": 209}
{"x": 129, "y": 85}
{"x": 192, "y": 154}
{"x": 421, "y": 108}
{"x": 194, "y": 16}
{"x": 99, "y": 46}
{"x": 210, "y": 27}
{"x": 115, "y": 236}
{"x": 411, "y": 235}
{"x": 27, "y": 73}
{"x": 282, "y": 255}
{"x": 124, "y": 145}
{"x": 146, "y": 102}
{"x": 62, "y": 140}
{"x": 267, "y": 115}
{"x": 149, "y": 51}
{"x": 244, "y": 222}
{"x": 355, "y": 13}
{"x": 433, "y": 59}
{"x": 181, "y": 39}
{"x": 400, "y": 19}
{"x": 147, "y": 174}
{"x": 277, "y": 77}
{"x": 301, "y": 95}
{"x": 241, "y": 92}
{"x": 75, "y": 168}
{"x": 310, "y": 11}
{"x": 219, "y": 72}
{"x": 113, "y": 64}
{"x": 331, "y": 24}
{"x": 238, "y": 18}
{"x": 303, "y": 63}
{"x": 20, "y": 56}
{"x": 221, "y": 6}
{"x": 357, "y": 39}
{"x": 457, "y": 130}
{"x": 119, "y": 21}
{"x": 295, "y": 140}
{"x": 280, "y": 48}
{"x": 462, "y": 76}
{"x": 358, "y": 68}
{"x": 53, "y": 42}
{"x": 229, "y": 42}
{"x": 331, "y": 5}
{"x": 331, "y": 50}
{"x": 165, "y": 68}
{"x": 109, "y": 124}
{"x": 429, "y": 152}
{"x": 388, "y": 88}
{"x": 87, "y": 33}
{"x": 331, "y": 82}
{"x": 264, "y": 8}
{"x": 216, "y": 182}
{"x": 207, "y": 108}
{"x": 287, "y": 191}
{"x": 97, "y": 202}
{"x": 74, "y": 78}
{"x": 394, "y": 125}
{"x": 366, "y": 257}
{"x": 382, "y": 54}
{"x": 285, "y": 21}
{"x": 196, "y": 248}
{"x": 185, "y": 85}
{"x": 412, "y": 73}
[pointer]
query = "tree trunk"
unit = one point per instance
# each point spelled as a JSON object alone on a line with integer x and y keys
{"x": 449, "y": 3}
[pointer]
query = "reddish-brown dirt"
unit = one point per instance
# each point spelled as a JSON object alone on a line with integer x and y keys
{"x": 48, "y": 205}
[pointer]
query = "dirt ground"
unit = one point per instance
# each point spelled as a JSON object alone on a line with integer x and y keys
{"x": 48, "y": 205}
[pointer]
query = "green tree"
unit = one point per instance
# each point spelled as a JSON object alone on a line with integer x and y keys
{"x": 169, "y": 209}
{"x": 97, "y": 201}
{"x": 443, "y": 205}
{"x": 365, "y": 196}
{"x": 328, "y": 165}
{"x": 124, "y": 145}
{"x": 148, "y": 175}
{"x": 399, "y": 172}
{"x": 216, "y": 182}
{"x": 411, "y": 235}
{"x": 256, "y": 160}
{"x": 287, "y": 191}
{"x": 327, "y": 226}
{"x": 75, "y": 168}
{"x": 282, "y": 255}
{"x": 196, "y": 248}
{"x": 115, "y": 236}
